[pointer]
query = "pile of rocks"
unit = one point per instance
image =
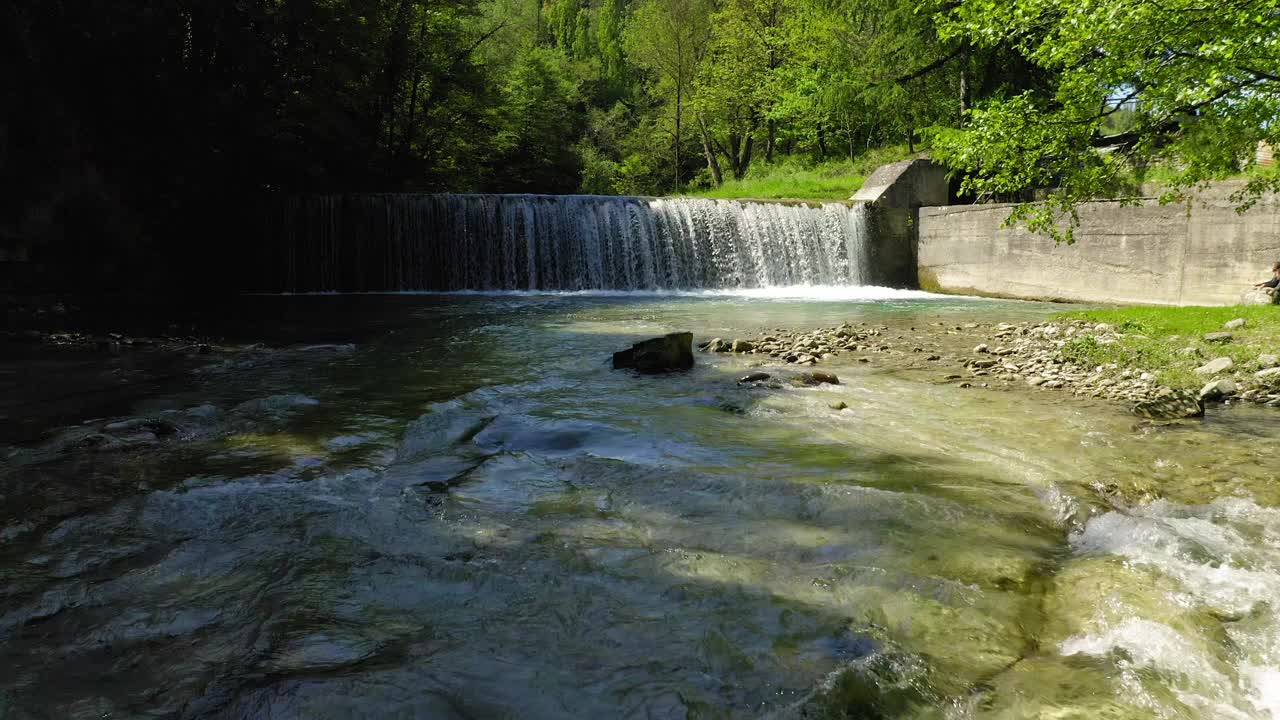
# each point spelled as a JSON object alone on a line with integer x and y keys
{"x": 116, "y": 342}
{"x": 802, "y": 348}
{"x": 1035, "y": 354}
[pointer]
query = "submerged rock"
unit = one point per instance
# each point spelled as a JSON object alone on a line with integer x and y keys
{"x": 754, "y": 377}
{"x": 673, "y": 351}
{"x": 1170, "y": 405}
{"x": 817, "y": 378}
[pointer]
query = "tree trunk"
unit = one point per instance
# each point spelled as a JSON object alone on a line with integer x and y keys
{"x": 771, "y": 141}
{"x": 717, "y": 176}
{"x": 744, "y": 163}
{"x": 406, "y": 137}
{"x": 964, "y": 83}
{"x": 822, "y": 142}
{"x": 394, "y": 69}
{"x": 679, "y": 102}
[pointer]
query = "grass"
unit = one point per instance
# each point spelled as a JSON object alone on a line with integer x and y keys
{"x": 793, "y": 179}
{"x": 1155, "y": 339}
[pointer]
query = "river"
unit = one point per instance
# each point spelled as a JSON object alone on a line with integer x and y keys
{"x": 612, "y": 545}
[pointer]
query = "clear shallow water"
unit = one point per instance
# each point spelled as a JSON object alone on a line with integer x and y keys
{"x": 617, "y": 546}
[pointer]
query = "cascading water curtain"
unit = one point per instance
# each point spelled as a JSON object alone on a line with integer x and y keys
{"x": 443, "y": 242}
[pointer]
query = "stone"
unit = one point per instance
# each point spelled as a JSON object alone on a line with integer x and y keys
{"x": 1268, "y": 373}
{"x": 1170, "y": 405}
{"x": 981, "y": 348}
{"x": 156, "y": 426}
{"x": 673, "y": 351}
{"x": 1219, "y": 337}
{"x": 715, "y": 345}
{"x": 1268, "y": 361}
{"x": 1213, "y": 367}
{"x": 1259, "y": 296}
{"x": 1225, "y": 387}
{"x": 817, "y": 378}
{"x": 839, "y": 405}
{"x": 1234, "y": 324}
{"x": 742, "y": 346}
{"x": 754, "y": 377}
{"x": 984, "y": 363}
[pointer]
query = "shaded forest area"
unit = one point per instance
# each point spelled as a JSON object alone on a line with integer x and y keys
{"x": 140, "y": 134}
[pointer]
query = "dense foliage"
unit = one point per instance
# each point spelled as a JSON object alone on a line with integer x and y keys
{"x": 144, "y": 118}
{"x": 1195, "y": 86}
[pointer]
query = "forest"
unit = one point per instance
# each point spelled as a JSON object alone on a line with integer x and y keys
{"x": 149, "y": 119}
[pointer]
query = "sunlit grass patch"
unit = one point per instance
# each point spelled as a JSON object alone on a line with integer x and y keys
{"x": 1159, "y": 339}
{"x": 796, "y": 180}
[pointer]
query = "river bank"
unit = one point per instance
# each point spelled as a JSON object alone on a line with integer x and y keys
{"x": 1162, "y": 363}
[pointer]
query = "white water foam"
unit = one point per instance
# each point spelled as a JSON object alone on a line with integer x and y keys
{"x": 1224, "y": 558}
{"x": 810, "y": 293}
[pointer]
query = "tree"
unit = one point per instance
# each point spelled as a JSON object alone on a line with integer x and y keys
{"x": 1199, "y": 80}
{"x": 668, "y": 38}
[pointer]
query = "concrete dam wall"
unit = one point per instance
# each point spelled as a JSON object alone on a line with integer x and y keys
{"x": 1201, "y": 253}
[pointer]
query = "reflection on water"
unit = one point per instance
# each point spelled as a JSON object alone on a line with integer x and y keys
{"x": 465, "y": 514}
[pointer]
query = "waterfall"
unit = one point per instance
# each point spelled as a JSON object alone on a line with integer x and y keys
{"x": 433, "y": 242}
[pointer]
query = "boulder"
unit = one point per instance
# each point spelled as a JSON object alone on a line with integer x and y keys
{"x": 1225, "y": 387}
{"x": 1219, "y": 337}
{"x": 1268, "y": 374}
{"x": 817, "y": 378}
{"x": 1170, "y": 405}
{"x": 673, "y": 351}
{"x": 1234, "y": 324}
{"x": 1259, "y": 296}
{"x": 1213, "y": 367}
{"x": 742, "y": 346}
{"x": 1268, "y": 361}
{"x": 716, "y": 345}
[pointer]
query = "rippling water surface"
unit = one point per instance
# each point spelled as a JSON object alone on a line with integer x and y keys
{"x": 450, "y": 507}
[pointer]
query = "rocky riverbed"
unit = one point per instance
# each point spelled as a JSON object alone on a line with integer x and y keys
{"x": 1030, "y": 354}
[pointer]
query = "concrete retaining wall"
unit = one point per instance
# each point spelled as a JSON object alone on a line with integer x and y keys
{"x": 894, "y": 195}
{"x": 1202, "y": 254}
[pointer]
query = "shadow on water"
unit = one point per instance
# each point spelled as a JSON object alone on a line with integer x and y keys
{"x": 609, "y": 545}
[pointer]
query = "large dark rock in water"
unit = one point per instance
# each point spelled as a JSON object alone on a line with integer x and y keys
{"x": 673, "y": 351}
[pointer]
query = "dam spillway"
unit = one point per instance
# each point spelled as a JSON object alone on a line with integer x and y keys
{"x": 453, "y": 242}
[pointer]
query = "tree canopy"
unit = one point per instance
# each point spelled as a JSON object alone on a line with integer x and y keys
{"x": 1196, "y": 84}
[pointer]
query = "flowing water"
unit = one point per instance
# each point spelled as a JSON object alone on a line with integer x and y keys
{"x": 399, "y": 242}
{"x": 622, "y": 546}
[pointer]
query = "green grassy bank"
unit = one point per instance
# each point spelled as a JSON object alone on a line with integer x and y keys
{"x": 1169, "y": 341}
{"x": 796, "y": 180}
